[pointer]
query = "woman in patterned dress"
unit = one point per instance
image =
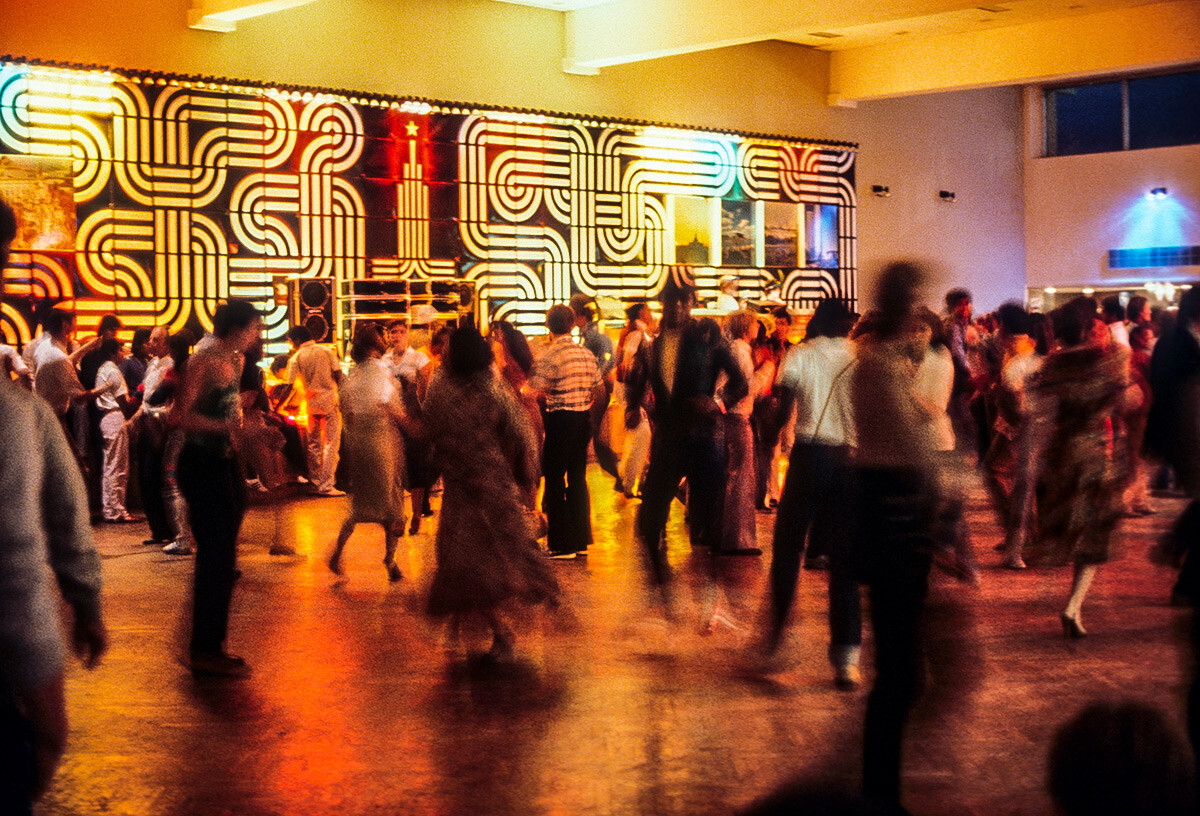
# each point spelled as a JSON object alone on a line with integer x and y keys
{"x": 487, "y": 557}
{"x": 1071, "y": 401}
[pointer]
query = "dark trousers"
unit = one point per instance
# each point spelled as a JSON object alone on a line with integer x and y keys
{"x": 675, "y": 455}
{"x": 818, "y": 506}
{"x": 893, "y": 559}
{"x": 151, "y": 443}
{"x": 17, "y": 764}
{"x": 213, "y": 486}
{"x": 606, "y": 457}
{"x": 564, "y": 464}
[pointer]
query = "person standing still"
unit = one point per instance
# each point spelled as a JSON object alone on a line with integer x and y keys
{"x": 567, "y": 381}
{"x": 318, "y": 368}
{"x": 592, "y": 338}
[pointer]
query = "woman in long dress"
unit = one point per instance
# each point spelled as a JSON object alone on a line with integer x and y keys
{"x": 487, "y": 556}
{"x": 1071, "y": 401}
{"x": 373, "y": 413}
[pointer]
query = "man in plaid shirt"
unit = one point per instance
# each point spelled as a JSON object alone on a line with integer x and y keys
{"x": 566, "y": 380}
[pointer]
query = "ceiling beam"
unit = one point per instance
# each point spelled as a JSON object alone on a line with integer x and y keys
{"x": 1147, "y": 37}
{"x": 625, "y": 31}
{"x": 223, "y": 15}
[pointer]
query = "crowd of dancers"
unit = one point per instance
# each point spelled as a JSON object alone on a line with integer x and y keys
{"x": 876, "y": 420}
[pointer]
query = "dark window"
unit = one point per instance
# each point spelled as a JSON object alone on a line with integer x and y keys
{"x": 1085, "y": 119}
{"x": 1164, "y": 110}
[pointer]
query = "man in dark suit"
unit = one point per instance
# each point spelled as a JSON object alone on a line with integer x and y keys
{"x": 685, "y": 361}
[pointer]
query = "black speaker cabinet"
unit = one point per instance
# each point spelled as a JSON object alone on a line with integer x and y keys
{"x": 310, "y": 304}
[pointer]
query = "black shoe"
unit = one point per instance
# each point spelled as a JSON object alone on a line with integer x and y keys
{"x": 218, "y": 664}
{"x": 157, "y": 542}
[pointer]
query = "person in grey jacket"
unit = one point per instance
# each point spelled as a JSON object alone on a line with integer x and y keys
{"x": 43, "y": 518}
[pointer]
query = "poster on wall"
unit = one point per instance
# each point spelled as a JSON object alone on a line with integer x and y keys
{"x": 781, "y": 233}
{"x": 737, "y": 233}
{"x": 821, "y": 236}
{"x": 41, "y": 191}
{"x": 693, "y": 230}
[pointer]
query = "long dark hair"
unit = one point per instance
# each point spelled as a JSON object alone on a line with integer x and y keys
{"x": 515, "y": 344}
{"x": 467, "y": 353}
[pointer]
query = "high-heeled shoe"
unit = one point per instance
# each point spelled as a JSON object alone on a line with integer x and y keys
{"x": 1072, "y": 628}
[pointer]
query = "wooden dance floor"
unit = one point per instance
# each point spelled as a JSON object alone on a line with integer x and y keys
{"x": 358, "y": 705}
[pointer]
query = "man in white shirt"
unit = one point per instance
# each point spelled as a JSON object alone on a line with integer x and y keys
{"x": 727, "y": 299}
{"x": 816, "y": 496}
{"x": 318, "y": 368}
{"x": 407, "y": 365}
{"x": 13, "y": 367}
{"x": 112, "y": 399}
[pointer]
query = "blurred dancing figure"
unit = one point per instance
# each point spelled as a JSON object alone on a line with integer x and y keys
{"x": 1007, "y": 466}
{"x": 514, "y": 360}
{"x": 685, "y": 361}
{"x": 208, "y": 411}
{"x": 738, "y": 534}
{"x": 896, "y": 473}
{"x": 817, "y": 503}
{"x": 1072, "y": 400}
{"x": 373, "y": 411}
{"x": 43, "y": 519}
{"x": 633, "y": 365}
{"x": 487, "y": 556}
{"x": 1173, "y": 432}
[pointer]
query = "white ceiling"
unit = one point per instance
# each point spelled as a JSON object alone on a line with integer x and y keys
{"x": 896, "y": 47}
{"x": 910, "y": 19}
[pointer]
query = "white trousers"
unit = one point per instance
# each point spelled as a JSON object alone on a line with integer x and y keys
{"x": 637, "y": 453}
{"x": 323, "y": 440}
{"x": 115, "y": 476}
{"x": 176, "y": 504}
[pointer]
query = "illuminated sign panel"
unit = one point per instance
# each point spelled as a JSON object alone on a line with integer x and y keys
{"x": 190, "y": 192}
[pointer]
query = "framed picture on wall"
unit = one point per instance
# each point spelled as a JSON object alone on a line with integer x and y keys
{"x": 781, "y": 233}
{"x": 821, "y": 236}
{"x": 737, "y": 233}
{"x": 41, "y": 190}
{"x": 693, "y": 230}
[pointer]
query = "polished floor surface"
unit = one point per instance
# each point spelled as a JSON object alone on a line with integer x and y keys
{"x": 359, "y": 705}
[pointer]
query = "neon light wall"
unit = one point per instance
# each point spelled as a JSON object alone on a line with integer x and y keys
{"x": 187, "y": 192}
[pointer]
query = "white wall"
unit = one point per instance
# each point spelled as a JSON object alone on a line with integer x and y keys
{"x": 967, "y": 142}
{"x": 502, "y": 54}
{"x": 1079, "y": 207}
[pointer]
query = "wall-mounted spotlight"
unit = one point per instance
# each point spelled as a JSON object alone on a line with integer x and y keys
{"x": 880, "y": 190}
{"x": 1157, "y": 194}
{"x": 946, "y": 195}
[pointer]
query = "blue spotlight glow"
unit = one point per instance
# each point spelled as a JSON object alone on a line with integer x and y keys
{"x": 1156, "y": 221}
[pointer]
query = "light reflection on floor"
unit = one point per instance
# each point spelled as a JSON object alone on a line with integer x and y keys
{"x": 358, "y": 705}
